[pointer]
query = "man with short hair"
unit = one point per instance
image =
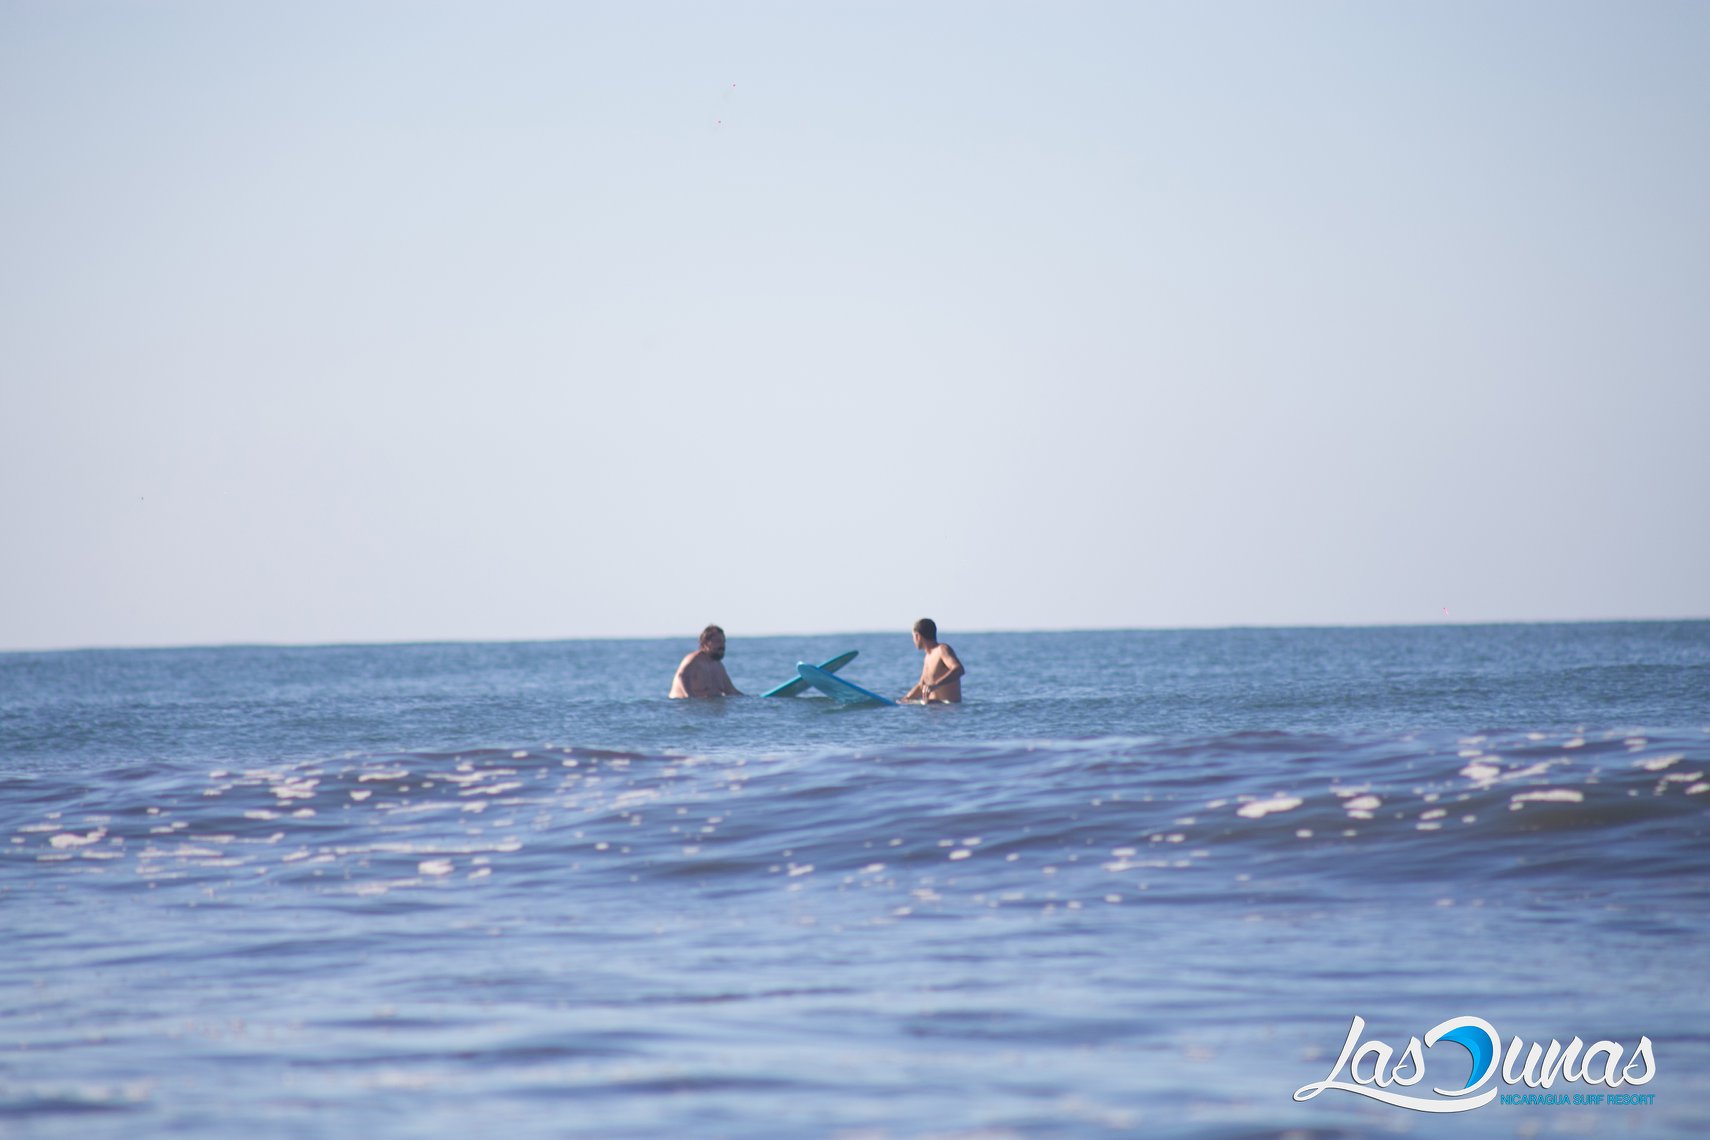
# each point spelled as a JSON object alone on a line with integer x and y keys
{"x": 941, "y": 673}
{"x": 702, "y": 672}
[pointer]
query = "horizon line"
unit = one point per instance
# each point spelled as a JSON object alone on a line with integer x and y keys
{"x": 1208, "y": 628}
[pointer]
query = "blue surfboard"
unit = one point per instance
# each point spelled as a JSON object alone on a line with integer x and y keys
{"x": 796, "y": 684}
{"x": 839, "y": 690}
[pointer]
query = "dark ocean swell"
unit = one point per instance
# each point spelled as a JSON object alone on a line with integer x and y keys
{"x": 1097, "y": 817}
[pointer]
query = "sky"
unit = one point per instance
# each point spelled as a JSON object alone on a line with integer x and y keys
{"x": 373, "y": 322}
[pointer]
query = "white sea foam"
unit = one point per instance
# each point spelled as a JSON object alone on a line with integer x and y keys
{"x": 1658, "y": 763}
{"x": 1549, "y": 796}
{"x": 69, "y": 839}
{"x": 1260, "y": 808}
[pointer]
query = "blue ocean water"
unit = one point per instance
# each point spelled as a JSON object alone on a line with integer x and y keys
{"x": 1140, "y": 883}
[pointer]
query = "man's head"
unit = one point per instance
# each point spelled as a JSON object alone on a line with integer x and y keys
{"x": 712, "y": 641}
{"x": 925, "y": 633}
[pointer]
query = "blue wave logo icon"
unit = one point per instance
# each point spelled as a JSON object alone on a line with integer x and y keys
{"x": 1476, "y": 1040}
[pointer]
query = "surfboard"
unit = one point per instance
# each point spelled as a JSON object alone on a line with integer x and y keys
{"x": 839, "y": 690}
{"x": 796, "y": 684}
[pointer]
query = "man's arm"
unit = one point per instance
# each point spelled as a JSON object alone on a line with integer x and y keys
{"x": 680, "y": 680}
{"x": 725, "y": 686}
{"x": 952, "y": 671}
{"x": 918, "y": 693}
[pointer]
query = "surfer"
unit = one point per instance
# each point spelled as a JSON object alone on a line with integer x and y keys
{"x": 702, "y": 672}
{"x": 941, "y": 672}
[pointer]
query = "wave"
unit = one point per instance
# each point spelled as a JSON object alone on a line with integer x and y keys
{"x": 1330, "y": 812}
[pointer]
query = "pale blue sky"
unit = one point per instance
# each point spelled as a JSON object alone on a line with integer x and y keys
{"x": 376, "y": 322}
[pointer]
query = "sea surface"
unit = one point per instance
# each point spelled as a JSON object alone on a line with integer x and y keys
{"x": 1138, "y": 884}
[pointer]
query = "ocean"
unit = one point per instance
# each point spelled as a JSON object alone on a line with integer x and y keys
{"x": 1138, "y": 884}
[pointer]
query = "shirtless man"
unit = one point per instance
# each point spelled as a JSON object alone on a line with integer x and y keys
{"x": 702, "y": 672}
{"x": 941, "y": 673}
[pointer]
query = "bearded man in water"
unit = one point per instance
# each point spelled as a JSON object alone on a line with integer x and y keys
{"x": 702, "y": 672}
